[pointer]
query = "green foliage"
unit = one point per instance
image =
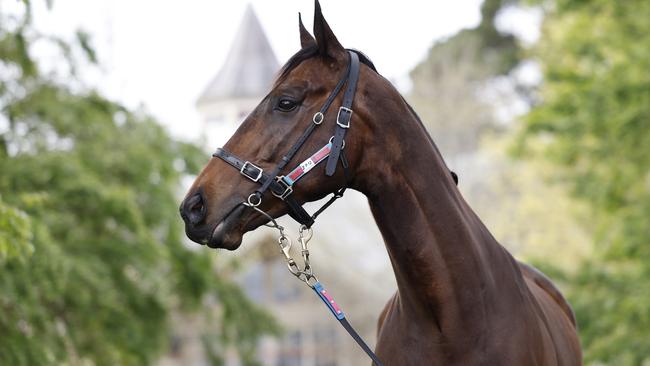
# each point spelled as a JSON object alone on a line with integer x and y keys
{"x": 491, "y": 51}
{"x": 592, "y": 122}
{"x": 446, "y": 85}
{"x": 449, "y": 90}
{"x": 15, "y": 233}
{"x": 91, "y": 246}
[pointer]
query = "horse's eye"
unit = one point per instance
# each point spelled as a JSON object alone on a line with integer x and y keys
{"x": 286, "y": 105}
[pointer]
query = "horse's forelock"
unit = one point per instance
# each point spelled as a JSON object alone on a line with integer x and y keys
{"x": 295, "y": 60}
{"x": 309, "y": 52}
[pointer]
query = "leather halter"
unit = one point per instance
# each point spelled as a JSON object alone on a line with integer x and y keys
{"x": 282, "y": 186}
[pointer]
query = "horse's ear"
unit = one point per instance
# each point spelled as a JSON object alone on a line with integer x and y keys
{"x": 306, "y": 39}
{"x": 328, "y": 45}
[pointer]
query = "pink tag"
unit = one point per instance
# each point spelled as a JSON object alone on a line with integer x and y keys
{"x": 335, "y": 306}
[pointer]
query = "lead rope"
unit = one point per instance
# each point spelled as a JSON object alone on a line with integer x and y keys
{"x": 306, "y": 273}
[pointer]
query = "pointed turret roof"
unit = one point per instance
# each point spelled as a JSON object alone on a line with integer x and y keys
{"x": 250, "y": 66}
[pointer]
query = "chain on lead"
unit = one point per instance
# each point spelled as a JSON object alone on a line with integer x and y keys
{"x": 285, "y": 246}
{"x": 253, "y": 201}
{"x": 305, "y": 235}
{"x": 306, "y": 274}
{"x": 304, "y": 240}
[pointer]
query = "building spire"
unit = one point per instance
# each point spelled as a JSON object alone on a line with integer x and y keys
{"x": 249, "y": 67}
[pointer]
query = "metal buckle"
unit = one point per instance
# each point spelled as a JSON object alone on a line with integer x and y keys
{"x": 287, "y": 188}
{"x": 338, "y": 117}
{"x": 243, "y": 171}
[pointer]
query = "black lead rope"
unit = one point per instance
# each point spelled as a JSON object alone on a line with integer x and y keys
{"x": 340, "y": 316}
{"x": 344, "y": 322}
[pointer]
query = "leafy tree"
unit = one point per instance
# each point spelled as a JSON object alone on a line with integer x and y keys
{"x": 451, "y": 90}
{"x": 92, "y": 259}
{"x": 592, "y": 123}
{"x": 447, "y": 85}
{"x": 15, "y": 232}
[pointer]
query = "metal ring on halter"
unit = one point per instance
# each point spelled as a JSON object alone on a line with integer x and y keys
{"x": 332, "y": 142}
{"x": 250, "y": 202}
{"x": 318, "y": 118}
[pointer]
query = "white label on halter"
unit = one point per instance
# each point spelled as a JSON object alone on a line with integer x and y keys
{"x": 308, "y": 164}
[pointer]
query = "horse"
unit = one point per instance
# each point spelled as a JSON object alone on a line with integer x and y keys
{"x": 461, "y": 298}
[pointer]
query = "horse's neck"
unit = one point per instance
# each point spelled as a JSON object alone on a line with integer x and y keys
{"x": 447, "y": 265}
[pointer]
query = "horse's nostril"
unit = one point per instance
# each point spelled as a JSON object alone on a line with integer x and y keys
{"x": 193, "y": 209}
{"x": 197, "y": 206}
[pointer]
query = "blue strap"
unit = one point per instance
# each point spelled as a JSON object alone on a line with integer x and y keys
{"x": 329, "y": 301}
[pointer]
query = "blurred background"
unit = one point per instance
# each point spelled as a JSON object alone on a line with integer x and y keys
{"x": 109, "y": 108}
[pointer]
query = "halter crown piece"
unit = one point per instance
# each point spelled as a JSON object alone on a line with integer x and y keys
{"x": 282, "y": 186}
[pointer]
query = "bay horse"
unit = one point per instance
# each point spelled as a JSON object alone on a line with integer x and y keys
{"x": 461, "y": 298}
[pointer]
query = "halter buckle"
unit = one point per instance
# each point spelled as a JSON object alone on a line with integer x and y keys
{"x": 254, "y": 177}
{"x": 348, "y": 114}
{"x": 287, "y": 188}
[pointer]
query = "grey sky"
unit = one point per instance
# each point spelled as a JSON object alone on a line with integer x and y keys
{"x": 161, "y": 54}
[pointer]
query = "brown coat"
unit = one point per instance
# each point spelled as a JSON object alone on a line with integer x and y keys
{"x": 462, "y": 299}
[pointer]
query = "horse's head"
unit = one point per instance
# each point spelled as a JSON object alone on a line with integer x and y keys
{"x": 213, "y": 211}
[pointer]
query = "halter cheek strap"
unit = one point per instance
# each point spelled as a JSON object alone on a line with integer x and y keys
{"x": 344, "y": 115}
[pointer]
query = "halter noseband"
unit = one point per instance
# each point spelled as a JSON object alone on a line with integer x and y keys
{"x": 281, "y": 186}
